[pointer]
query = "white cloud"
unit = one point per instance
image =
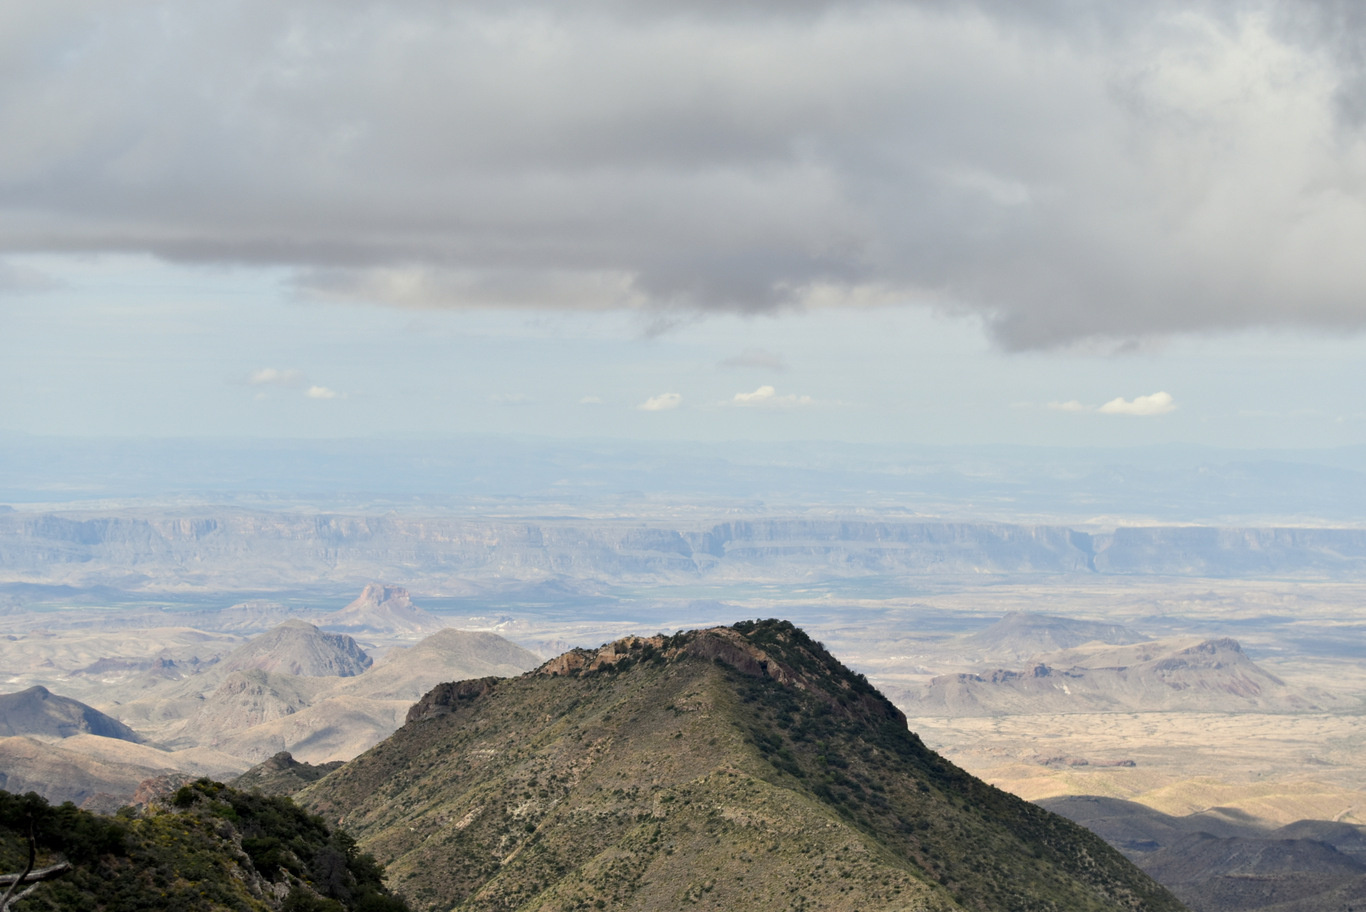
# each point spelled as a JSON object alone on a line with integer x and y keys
{"x": 510, "y": 399}
{"x": 1071, "y": 405}
{"x": 1156, "y": 404}
{"x": 591, "y": 400}
{"x": 762, "y": 394}
{"x": 768, "y": 396}
{"x": 661, "y": 403}
{"x": 321, "y": 392}
{"x": 273, "y": 376}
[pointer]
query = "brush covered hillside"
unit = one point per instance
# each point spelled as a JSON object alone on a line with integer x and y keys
{"x": 206, "y": 848}
{"x": 730, "y": 768}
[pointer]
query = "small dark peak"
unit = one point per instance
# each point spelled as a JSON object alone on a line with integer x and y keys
{"x": 282, "y": 761}
{"x": 281, "y": 774}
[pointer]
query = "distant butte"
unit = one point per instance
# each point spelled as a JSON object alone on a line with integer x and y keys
{"x": 382, "y": 609}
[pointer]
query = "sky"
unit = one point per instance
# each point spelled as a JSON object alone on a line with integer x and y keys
{"x": 1048, "y": 223}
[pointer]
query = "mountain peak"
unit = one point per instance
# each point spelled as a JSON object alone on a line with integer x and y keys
{"x": 722, "y": 768}
{"x": 38, "y": 712}
{"x": 299, "y": 648}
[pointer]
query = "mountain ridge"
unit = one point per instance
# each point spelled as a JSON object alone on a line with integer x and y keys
{"x": 739, "y": 767}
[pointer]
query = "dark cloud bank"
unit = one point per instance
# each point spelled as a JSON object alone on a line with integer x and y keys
{"x": 1066, "y": 171}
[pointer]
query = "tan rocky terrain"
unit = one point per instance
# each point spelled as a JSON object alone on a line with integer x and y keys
{"x": 211, "y": 703}
{"x": 94, "y": 663}
{"x": 100, "y": 773}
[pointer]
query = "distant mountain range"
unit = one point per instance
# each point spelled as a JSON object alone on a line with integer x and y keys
{"x": 730, "y": 768}
{"x": 227, "y": 550}
{"x": 1151, "y": 676}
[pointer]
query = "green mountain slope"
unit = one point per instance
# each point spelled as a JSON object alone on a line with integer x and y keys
{"x": 732, "y": 768}
{"x": 210, "y": 849}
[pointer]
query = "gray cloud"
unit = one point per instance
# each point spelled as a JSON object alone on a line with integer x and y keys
{"x": 1068, "y": 171}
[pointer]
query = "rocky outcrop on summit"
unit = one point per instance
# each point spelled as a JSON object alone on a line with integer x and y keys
{"x": 1159, "y": 675}
{"x": 39, "y": 713}
{"x": 299, "y": 648}
{"x": 382, "y": 609}
{"x": 730, "y": 647}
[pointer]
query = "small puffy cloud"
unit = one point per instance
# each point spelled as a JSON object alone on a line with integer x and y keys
{"x": 756, "y": 357}
{"x": 273, "y": 376}
{"x": 591, "y": 400}
{"x": 768, "y": 396}
{"x": 321, "y": 392}
{"x": 661, "y": 403}
{"x": 1071, "y": 405}
{"x": 762, "y": 394}
{"x": 1156, "y": 404}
